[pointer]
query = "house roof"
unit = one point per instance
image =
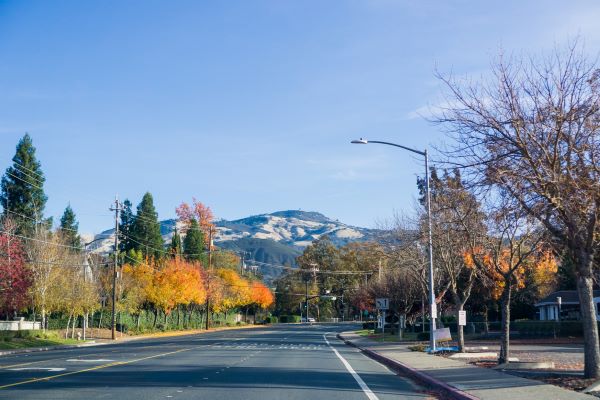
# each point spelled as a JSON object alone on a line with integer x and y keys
{"x": 567, "y": 297}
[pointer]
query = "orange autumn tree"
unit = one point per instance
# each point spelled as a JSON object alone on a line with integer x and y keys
{"x": 177, "y": 283}
{"x": 513, "y": 250}
{"x": 261, "y": 297}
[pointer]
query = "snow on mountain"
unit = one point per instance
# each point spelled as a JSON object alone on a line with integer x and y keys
{"x": 297, "y": 229}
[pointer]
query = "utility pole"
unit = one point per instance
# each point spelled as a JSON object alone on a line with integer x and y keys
{"x": 209, "y": 274}
{"x": 242, "y": 264}
{"x": 118, "y": 207}
{"x": 306, "y": 302}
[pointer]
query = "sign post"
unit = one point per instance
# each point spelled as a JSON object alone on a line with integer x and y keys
{"x": 382, "y": 304}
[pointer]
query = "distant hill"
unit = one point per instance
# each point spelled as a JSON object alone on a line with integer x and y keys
{"x": 258, "y": 251}
{"x": 275, "y": 238}
{"x": 294, "y": 228}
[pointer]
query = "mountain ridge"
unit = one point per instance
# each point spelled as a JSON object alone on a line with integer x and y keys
{"x": 272, "y": 238}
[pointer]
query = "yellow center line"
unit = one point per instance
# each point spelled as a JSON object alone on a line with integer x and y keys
{"x": 112, "y": 364}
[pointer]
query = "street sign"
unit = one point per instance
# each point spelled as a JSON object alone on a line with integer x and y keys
{"x": 382, "y": 303}
{"x": 462, "y": 318}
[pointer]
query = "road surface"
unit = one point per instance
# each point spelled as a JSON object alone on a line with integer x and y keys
{"x": 274, "y": 362}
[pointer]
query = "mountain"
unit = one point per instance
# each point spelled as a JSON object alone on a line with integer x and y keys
{"x": 294, "y": 228}
{"x": 276, "y": 238}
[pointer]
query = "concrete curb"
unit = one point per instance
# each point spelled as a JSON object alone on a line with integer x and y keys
{"x": 415, "y": 374}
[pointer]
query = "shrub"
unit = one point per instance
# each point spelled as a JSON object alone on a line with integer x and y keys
{"x": 271, "y": 320}
{"x": 289, "y": 318}
{"x": 368, "y": 325}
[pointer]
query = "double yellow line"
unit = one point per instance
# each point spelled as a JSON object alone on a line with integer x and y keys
{"x": 112, "y": 364}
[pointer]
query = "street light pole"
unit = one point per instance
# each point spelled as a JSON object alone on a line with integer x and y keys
{"x": 432, "y": 304}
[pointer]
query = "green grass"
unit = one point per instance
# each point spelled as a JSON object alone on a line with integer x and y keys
{"x": 10, "y": 340}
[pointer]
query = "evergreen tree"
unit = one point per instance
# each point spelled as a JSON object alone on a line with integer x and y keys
{"x": 125, "y": 227}
{"x": 193, "y": 243}
{"x": 22, "y": 189}
{"x": 176, "y": 245}
{"x": 145, "y": 230}
{"x": 69, "y": 228}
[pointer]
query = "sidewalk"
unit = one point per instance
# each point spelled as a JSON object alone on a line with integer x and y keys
{"x": 460, "y": 380}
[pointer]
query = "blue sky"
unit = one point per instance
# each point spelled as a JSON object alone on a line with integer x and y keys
{"x": 248, "y": 105}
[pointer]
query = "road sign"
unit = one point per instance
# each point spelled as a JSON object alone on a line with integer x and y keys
{"x": 462, "y": 318}
{"x": 382, "y": 303}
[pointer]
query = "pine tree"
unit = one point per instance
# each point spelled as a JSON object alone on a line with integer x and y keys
{"x": 176, "y": 245}
{"x": 193, "y": 243}
{"x": 145, "y": 230}
{"x": 69, "y": 228}
{"x": 126, "y": 227}
{"x": 22, "y": 189}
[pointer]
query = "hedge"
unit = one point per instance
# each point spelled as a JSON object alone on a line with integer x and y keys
{"x": 289, "y": 318}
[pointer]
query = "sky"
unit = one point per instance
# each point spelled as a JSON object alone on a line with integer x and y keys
{"x": 249, "y": 106}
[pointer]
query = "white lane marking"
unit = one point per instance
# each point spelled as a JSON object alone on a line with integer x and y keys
{"x": 38, "y": 369}
{"x": 368, "y": 392}
{"x": 91, "y": 361}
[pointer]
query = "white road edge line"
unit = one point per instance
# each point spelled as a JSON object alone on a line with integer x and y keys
{"x": 368, "y": 392}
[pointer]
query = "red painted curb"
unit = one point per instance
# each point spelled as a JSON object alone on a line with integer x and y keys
{"x": 417, "y": 375}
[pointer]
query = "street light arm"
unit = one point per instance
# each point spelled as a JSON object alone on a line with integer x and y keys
{"x": 365, "y": 141}
{"x": 399, "y": 145}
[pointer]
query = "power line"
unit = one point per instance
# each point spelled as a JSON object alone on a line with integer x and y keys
{"x": 27, "y": 169}
{"x": 23, "y": 180}
{"x": 41, "y": 241}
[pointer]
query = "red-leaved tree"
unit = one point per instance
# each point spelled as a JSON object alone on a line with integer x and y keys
{"x": 15, "y": 278}
{"x": 198, "y": 211}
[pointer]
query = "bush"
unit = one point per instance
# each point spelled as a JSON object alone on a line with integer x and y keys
{"x": 548, "y": 328}
{"x": 423, "y": 336}
{"x": 271, "y": 320}
{"x": 368, "y": 325}
{"x": 289, "y": 318}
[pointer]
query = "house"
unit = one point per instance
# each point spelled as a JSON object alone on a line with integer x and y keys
{"x": 549, "y": 308}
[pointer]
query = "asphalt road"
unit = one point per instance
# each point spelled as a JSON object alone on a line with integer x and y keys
{"x": 275, "y": 362}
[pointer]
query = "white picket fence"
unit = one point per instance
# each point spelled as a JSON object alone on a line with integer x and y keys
{"x": 20, "y": 325}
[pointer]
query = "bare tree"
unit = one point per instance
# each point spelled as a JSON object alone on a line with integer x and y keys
{"x": 458, "y": 226}
{"x": 533, "y": 130}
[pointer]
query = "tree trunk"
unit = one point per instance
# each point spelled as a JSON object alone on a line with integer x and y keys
{"x": 100, "y": 320}
{"x": 85, "y": 318}
{"x": 590, "y": 326}
{"x": 155, "y": 318}
{"x": 486, "y": 324}
{"x": 67, "y": 331}
{"x": 505, "y": 340}
{"x": 75, "y": 318}
{"x": 43, "y": 319}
